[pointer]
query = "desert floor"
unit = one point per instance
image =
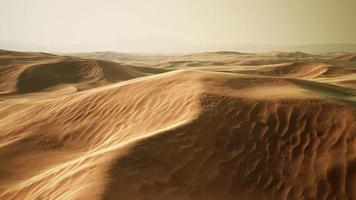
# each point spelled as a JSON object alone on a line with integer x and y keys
{"x": 205, "y": 126}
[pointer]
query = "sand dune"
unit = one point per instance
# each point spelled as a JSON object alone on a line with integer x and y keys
{"x": 214, "y": 129}
{"x": 33, "y": 72}
{"x": 293, "y": 70}
{"x": 346, "y": 57}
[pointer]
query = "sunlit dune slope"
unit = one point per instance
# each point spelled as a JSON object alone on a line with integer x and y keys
{"x": 68, "y": 143}
{"x": 186, "y": 134}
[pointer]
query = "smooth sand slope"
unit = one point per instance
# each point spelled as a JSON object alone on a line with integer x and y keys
{"x": 285, "y": 130}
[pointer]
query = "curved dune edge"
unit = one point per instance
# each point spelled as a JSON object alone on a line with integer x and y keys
{"x": 181, "y": 135}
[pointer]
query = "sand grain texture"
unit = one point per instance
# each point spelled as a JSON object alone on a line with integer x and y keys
{"x": 211, "y": 127}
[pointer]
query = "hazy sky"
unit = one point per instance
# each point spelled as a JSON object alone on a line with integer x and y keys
{"x": 140, "y": 25}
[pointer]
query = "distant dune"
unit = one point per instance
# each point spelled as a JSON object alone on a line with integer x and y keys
{"x": 163, "y": 46}
{"x": 34, "y": 72}
{"x": 215, "y": 125}
{"x": 322, "y": 48}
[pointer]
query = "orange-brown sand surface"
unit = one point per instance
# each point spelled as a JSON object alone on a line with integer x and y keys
{"x": 206, "y": 126}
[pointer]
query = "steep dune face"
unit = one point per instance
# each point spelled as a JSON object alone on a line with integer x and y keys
{"x": 282, "y": 131}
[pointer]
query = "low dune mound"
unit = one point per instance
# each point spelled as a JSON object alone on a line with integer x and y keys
{"x": 295, "y": 54}
{"x": 344, "y": 59}
{"x": 338, "y": 71}
{"x": 17, "y": 75}
{"x": 182, "y": 135}
{"x": 236, "y": 58}
{"x": 306, "y": 70}
{"x": 348, "y": 80}
{"x": 278, "y": 58}
{"x": 293, "y": 70}
{"x": 183, "y": 64}
{"x": 132, "y": 59}
{"x": 350, "y": 57}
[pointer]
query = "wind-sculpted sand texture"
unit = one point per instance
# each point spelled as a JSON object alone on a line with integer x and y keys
{"x": 219, "y": 131}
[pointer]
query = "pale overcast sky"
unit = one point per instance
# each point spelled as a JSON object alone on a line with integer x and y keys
{"x": 140, "y": 25}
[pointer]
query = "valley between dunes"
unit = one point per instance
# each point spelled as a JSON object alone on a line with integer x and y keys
{"x": 206, "y": 126}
